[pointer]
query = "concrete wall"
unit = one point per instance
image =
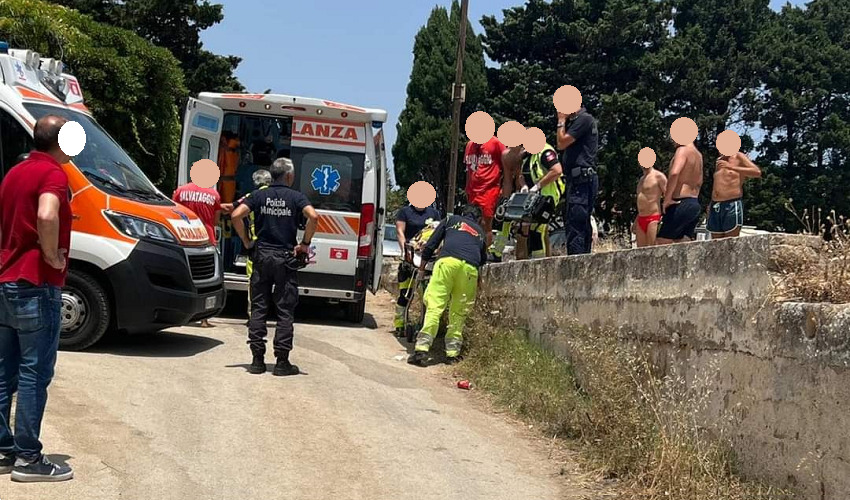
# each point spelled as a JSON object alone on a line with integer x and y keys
{"x": 389, "y": 275}
{"x": 711, "y": 304}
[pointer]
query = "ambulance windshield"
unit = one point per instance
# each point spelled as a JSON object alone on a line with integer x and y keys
{"x": 102, "y": 160}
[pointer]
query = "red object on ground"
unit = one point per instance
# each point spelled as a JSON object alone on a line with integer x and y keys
{"x": 463, "y": 384}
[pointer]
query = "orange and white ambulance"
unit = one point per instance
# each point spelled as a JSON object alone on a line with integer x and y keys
{"x": 138, "y": 261}
{"x": 340, "y": 164}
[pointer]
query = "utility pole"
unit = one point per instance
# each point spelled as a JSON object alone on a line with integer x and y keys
{"x": 458, "y": 94}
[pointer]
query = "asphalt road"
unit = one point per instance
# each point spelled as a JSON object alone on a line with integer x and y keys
{"x": 176, "y": 416}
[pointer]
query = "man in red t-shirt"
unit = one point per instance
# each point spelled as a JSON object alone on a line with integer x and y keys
{"x": 484, "y": 179}
{"x": 35, "y": 236}
{"x": 206, "y": 203}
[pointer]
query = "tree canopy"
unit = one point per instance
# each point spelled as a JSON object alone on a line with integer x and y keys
{"x": 177, "y": 26}
{"x": 130, "y": 85}
{"x": 422, "y": 149}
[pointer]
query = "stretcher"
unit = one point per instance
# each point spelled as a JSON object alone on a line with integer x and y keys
{"x": 414, "y": 311}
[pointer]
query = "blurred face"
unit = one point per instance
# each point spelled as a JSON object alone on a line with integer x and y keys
{"x": 58, "y": 154}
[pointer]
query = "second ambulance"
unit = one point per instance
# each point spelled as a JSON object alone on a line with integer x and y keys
{"x": 138, "y": 261}
{"x": 340, "y": 164}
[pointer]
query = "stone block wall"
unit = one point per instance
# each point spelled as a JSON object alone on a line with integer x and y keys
{"x": 782, "y": 367}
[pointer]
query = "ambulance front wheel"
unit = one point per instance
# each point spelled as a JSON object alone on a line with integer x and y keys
{"x": 84, "y": 316}
{"x": 355, "y": 311}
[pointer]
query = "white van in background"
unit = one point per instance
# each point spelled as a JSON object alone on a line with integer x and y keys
{"x": 340, "y": 164}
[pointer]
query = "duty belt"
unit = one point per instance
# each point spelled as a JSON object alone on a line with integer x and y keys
{"x": 580, "y": 175}
{"x": 291, "y": 261}
{"x": 582, "y": 172}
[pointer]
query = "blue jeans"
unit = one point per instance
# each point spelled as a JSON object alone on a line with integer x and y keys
{"x": 29, "y": 340}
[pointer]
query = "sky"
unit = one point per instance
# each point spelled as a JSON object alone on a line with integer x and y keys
{"x": 357, "y": 53}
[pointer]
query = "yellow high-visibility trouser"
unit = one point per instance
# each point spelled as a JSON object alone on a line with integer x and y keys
{"x": 249, "y": 268}
{"x": 454, "y": 284}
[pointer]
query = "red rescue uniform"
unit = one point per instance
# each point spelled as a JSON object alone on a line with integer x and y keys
{"x": 205, "y": 202}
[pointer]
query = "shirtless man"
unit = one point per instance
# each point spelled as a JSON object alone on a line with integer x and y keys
{"x": 681, "y": 198}
{"x": 650, "y": 189}
{"x": 726, "y": 212}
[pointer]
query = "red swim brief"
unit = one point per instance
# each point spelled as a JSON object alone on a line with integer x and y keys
{"x": 645, "y": 220}
{"x": 487, "y": 202}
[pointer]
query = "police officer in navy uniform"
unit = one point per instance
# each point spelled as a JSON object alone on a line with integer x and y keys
{"x": 578, "y": 137}
{"x": 277, "y": 255}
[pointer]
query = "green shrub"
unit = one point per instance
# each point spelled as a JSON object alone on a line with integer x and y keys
{"x": 131, "y": 86}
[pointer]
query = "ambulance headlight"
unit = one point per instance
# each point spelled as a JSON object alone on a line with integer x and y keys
{"x": 137, "y": 228}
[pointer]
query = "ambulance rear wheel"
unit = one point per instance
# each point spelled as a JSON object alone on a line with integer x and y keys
{"x": 355, "y": 311}
{"x": 84, "y": 316}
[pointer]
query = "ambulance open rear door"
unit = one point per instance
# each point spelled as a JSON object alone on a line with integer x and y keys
{"x": 380, "y": 208}
{"x": 201, "y": 132}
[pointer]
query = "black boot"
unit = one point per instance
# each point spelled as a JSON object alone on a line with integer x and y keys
{"x": 258, "y": 365}
{"x": 453, "y": 360}
{"x": 284, "y": 368}
{"x": 418, "y": 358}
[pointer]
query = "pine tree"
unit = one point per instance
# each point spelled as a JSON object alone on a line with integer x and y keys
{"x": 422, "y": 149}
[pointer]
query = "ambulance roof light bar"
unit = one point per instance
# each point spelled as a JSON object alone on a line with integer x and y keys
{"x": 29, "y": 57}
{"x": 52, "y": 66}
{"x": 4, "y": 47}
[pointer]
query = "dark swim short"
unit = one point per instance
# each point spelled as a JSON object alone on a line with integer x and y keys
{"x": 725, "y": 216}
{"x": 680, "y": 220}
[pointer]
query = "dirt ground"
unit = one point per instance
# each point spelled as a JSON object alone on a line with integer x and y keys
{"x": 175, "y": 415}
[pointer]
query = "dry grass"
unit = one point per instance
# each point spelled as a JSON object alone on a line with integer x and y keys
{"x": 818, "y": 276}
{"x": 628, "y": 422}
{"x": 617, "y": 239}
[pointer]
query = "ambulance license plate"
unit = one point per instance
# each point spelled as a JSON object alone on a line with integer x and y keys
{"x": 209, "y": 303}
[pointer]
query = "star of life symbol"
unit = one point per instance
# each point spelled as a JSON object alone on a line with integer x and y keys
{"x": 20, "y": 69}
{"x": 325, "y": 180}
{"x": 181, "y": 215}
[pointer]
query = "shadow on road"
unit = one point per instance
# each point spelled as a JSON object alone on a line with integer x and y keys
{"x": 437, "y": 354}
{"x": 402, "y": 341}
{"x": 309, "y": 312}
{"x": 269, "y": 369}
{"x": 156, "y": 345}
{"x": 320, "y": 317}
